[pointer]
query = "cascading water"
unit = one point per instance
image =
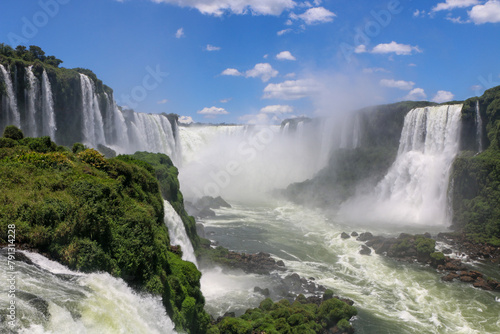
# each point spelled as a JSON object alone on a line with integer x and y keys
{"x": 13, "y": 116}
{"x": 50, "y": 298}
{"x": 479, "y": 128}
{"x": 93, "y": 127}
{"x": 414, "y": 191}
{"x": 177, "y": 233}
{"x": 31, "y": 92}
{"x": 48, "y": 115}
{"x": 152, "y": 133}
{"x": 350, "y": 132}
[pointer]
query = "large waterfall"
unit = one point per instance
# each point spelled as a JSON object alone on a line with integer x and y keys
{"x": 48, "y": 116}
{"x": 414, "y": 190}
{"x": 9, "y": 101}
{"x": 31, "y": 96}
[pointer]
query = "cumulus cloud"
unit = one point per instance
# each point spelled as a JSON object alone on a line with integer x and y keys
{"x": 416, "y": 94}
{"x": 360, "y": 49}
{"x": 398, "y": 49}
{"x": 212, "y": 112}
{"x": 185, "y": 119}
{"x": 212, "y": 48}
{"x": 180, "y": 33}
{"x": 264, "y": 71}
{"x": 401, "y": 84}
{"x": 443, "y": 96}
{"x": 487, "y": 13}
{"x": 232, "y": 72}
{"x": 226, "y": 100}
{"x": 277, "y": 109}
{"x": 452, "y": 4}
{"x": 285, "y": 55}
{"x": 315, "y": 15}
{"x": 291, "y": 89}
{"x": 219, "y": 7}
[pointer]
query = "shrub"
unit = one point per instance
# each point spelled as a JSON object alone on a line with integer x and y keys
{"x": 93, "y": 158}
{"x": 13, "y": 132}
{"x": 7, "y": 142}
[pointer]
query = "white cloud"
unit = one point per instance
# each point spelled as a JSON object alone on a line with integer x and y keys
{"x": 284, "y": 31}
{"x": 277, "y": 109}
{"x": 285, "y": 55}
{"x": 290, "y": 75}
{"x": 264, "y": 71}
{"x": 226, "y": 100}
{"x": 219, "y": 7}
{"x": 315, "y": 15}
{"x": 231, "y": 71}
{"x": 487, "y": 13}
{"x": 393, "y": 47}
{"x": 443, "y": 96}
{"x": 185, "y": 119}
{"x": 212, "y": 48}
{"x": 452, "y": 4}
{"x": 212, "y": 112}
{"x": 180, "y": 33}
{"x": 360, "y": 49}
{"x": 291, "y": 89}
{"x": 162, "y": 101}
{"x": 401, "y": 84}
{"x": 416, "y": 94}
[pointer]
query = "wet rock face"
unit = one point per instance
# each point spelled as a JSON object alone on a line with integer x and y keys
{"x": 365, "y": 250}
{"x": 345, "y": 235}
{"x": 365, "y": 236}
{"x": 202, "y": 208}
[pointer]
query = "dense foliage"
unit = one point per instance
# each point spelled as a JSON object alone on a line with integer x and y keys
{"x": 475, "y": 182}
{"x": 166, "y": 174}
{"x": 92, "y": 213}
{"x": 303, "y": 316}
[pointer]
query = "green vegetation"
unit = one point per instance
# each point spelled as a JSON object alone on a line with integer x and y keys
{"x": 97, "y": 214}
{"x": 166, "y": 174}
{"x": 303, "y": 316}
{"x": 475, "y": 180}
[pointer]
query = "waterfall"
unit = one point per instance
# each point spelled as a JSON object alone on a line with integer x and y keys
{"x": 152, "y": 133}
{"x": 30, "y": 94}
{"x": 414, "y": 190}
{"x": 93, "y": 127}
{"x": 48, "y": 115}
{"x": 479, "y": 128}
{"x": 350, "y": 132}
{"x": 13, "y": 116}
{"x": 50, "y": 298}
{"x": 177, "y": 233}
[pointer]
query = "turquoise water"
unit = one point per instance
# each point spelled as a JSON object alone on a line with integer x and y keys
{"x": 392, "y": 297}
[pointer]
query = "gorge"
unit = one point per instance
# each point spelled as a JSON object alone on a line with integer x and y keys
{"x": 409, "y": 167}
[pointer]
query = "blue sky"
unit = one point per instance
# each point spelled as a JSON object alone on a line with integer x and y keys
{"x": 265, "y": 60}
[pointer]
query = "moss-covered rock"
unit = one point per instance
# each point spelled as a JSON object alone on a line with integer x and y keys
{"x": 304, "y": 315}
